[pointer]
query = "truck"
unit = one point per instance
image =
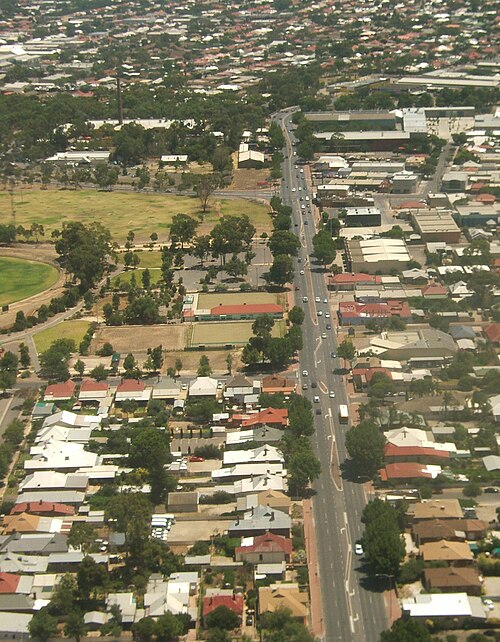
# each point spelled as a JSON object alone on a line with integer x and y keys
{"x": 343, "y": 413}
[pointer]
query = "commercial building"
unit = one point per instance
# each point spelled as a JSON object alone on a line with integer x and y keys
{"x": 376, "y": 256}
{"x": 476, "y": 215}
{"x": 354, "y": 313}
{"x": 436, "y": 225}
{"x": 363, "y": 141}
{"x": 363, "y": 217}
{"x": 425, "y": 347}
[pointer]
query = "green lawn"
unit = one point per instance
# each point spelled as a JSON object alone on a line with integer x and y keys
{"x": 125, "y": 277}
{"x": 147, "y": 259}
{"x": 20, "y": 279}
{"x": 66, "y": 330}
{"x": 123, "y": 211}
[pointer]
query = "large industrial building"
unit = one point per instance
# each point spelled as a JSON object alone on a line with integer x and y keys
{"x": 436, "y": 225}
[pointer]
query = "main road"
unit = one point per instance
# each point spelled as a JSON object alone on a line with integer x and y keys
{"x": 350, "y": 611}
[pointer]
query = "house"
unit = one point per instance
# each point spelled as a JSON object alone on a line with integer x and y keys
{"x": 492, "y": 332}
{"x": 435, "y": 509}
{"x": 33, "y": 543}
{"x": 434, "y": 530}
{"x": 415, "y": 276}
{"x": 234, "y": 602}
{"x": 355, "y": 313}
{"x": 166, "y": 389}
{"x": 171, "y": 596}
{"x": 203, "y": 387}
{"x": 283, "y": 596}
{"x": 421, "y": 454}
{"x": 241, "y": 471}
{"x": 48, "y": 509}
{"x": 442, "y": 606}
{"x": 16, "y": 603}
{"x": 422, "y": 346}
{"x": 495, "y": 407}
{"x": 275, "y": 417}
{"x": 452, "y": 580}
{"x": 14, "y": 583}
{"x": 259, "y": 483}
{"x": 346, "y": 281}
{"x": 91, "y": 390}
{"x": 126, "y": 603}
{"x": 260, "y": 520}
{"x": 14, "y": 626}
{"x": 268, "y": 548}
{"x": 132, "y": 390}
{"x": 60, "y": 456}
{"x": 434, "y": 291}
{"x": 183, "y": 502}
{"x": 60, "y": 391}
{"x": 274, "y": 499}
{"x": 174, "y": 159}
{"x": 453, "y": 553}
{"x": 239, "y": 387}
{"x": 42, "y": 409}
{"x": 26, "y": 523}
{"x": 408, "y": 472}
{"x": 261, "y": 454}
{"x": 230, "y": 312}
{"x": 23, "y": 564}
{"x": 273, "y": 384}
{"x": 405, "y": 437}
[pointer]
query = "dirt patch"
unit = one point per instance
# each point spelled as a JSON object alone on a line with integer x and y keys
{"x": 138, "y": 339}
{"x": 248, "y": 178}
{"x": 191, "y": 359}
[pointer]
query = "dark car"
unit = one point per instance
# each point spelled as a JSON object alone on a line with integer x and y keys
{"x": 314, "y": 384}
{"x": 318, "y": 411}
{"x": 328, "y": 326}
{"x": 333, "y": 355}
{"x": 249, "y": 620}
{"x": 491, "y": 489}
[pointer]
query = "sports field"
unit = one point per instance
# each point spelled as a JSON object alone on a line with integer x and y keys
{"x": 20, "y": 279}
{"x": 234, "y": 333}
{"x": 143, "y": 213}
{"x": 73, "y": 329}
{"x": 126, "y": 277}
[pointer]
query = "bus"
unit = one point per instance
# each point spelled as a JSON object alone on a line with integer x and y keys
{"x": 343, "y": 413}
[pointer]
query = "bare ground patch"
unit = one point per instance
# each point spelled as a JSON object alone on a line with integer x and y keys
{"x": 191, "y": 359}
{"x": 139, "y": 338}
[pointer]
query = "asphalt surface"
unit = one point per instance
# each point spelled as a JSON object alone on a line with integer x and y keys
{"x": 350, "y": 611}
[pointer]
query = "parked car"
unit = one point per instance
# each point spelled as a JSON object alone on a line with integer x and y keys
{"x": 358, "y": 549}
{"x": 196, "y": 458}
{"x": 491, "y": 489}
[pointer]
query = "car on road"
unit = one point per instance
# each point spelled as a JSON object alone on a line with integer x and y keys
{"x": 306, "y": 222}
{"x": 302, "y": 272}
{"x": 331, "y": 394}
{"x": 327, "y": 315}
{"x": 325, "y": 300}
{"x": 358, "y": 549}
{"x": 249, "y": 620}
{"x": 491, "y": 489}
{"x": 316, "y": 399}
{"x": 314, "y": 384}
{"x": 293, "y": 189}
{"x": 328, "y": 326}
{"x": 318, "y": 411}
{"x": 317, "y": 299}
{"x": 323, "y": 335}
{"x": 320, "y": 313}
{"x": 305, "y": 373}
{"x": 304, "y": 386}
{"x": 305, "y": 299}
{"x": 333, "y": 355}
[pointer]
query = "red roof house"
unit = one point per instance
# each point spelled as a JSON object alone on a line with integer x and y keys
{"x": 492, "y": 332}
{"x": 8, "y": 583}
{"x": 47, "y": 509}
{"x": 233, "y": 602}
{"x": 354, "y": 313}
{"x": 348, "y": 280}
{"x": 60, "y": 391}
{"x": 427, "y": 455}
{"x": 434, "y": 291}
{"x": 271, "y": 416}
{"x": 409, "y": 470}
{"x": 266, "y": 549}
{"x": 93, "y": 390}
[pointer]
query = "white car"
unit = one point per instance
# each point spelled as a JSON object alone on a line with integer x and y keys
{"x": 323, "y": 336}
{"x": 300, "y": 189}
{"x": 304, "y": 373}
{"x": 293, "y": 189}
{"x": 307, "y": 198}
{"x": 317, "y": 299}
{"x": 305, "y": 299}
{"x": 327, "y": 315}
{"x": 325, "y": 300}
{"x": 331, "y": 394}
{"x": 316, "y": 399}
{"x": 320, "y": 313}
{"x": 489, "y": 604}
{"x": 302, "y": 272}
{"x": 358, "y": 549}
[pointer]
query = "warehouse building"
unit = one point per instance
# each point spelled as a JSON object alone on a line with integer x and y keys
{"x": 436, "y": 225}
{"x": 376, "y": 256}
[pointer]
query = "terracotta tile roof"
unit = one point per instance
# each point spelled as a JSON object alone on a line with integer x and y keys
{"x": 408, "y": 470}
{"x": 492, "y": 332}
{"x": 267, "y": 416}
{"x": 390, "y": 450}
{"x": 89, "y": 385}
{"x": 446, "y": 551}
{"x": 8, "y": 583}
{"x": 42, "y": 507}
{"x": 233, "y": 602}
{"x": 61, "y": 390}
{"x": 451, "y": 577}
{"x": 131, "y": 385}
{"x": 268, "y": 543}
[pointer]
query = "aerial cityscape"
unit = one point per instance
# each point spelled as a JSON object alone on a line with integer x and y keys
{"x": 250, "y": 321}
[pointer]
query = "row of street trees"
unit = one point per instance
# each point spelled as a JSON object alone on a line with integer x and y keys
{"x": 263, "y": 348}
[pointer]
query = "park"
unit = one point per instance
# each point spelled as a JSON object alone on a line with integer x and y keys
{"x": 20, "y": 279}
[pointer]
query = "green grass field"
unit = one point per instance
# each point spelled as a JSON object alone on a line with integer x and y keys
{"x": 66, "y": 330}
{"x": 20, "y": 279}
{"x": 147, "y": 259}
{"x": 121, "y": 212}
{"x": 125, "y": 277}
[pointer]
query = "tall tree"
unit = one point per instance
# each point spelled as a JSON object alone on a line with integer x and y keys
{"x": 131, "y": 515}
{"x": 183, "y": 227}
{"x": 42, "y": 625}
{"x": 324, "y": 247}
{"x": 365, "y": 445}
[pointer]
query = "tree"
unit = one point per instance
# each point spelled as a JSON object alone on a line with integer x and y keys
{"x": 65, "y": 595}
{"x": 303, "y": 468}
{"x": 284, "y": 242}
{"x": 79, "y": 367}
{"x": 157, "y": 356}
{"x": 296, "y": 315}
{"x": 279, "y": 352}
{"x": 222, "y": 618}
{"x": 178, "y": 366}
{"x": 143, "y": 310}
{"x": 280, "y": 626}
{"x": 54, "y": 361}
{"x": 130, "y": 366}
{"x": 91, "y": 577}
{"x": 146, "y": 279}
{"x": 24, "y": 355}
{"x": 204, "y": 369}
{"x": 42, "y": 625}
{"x": 201, "y": 247}
{"x": 7, "y": 380}
{"x": 75, "y": 626}
{"x": 229, "y": 362}
{"x": 84, "y": 251}
{"x": 82, "y": 536}
{"x": 381, "y": 385}
{"x": 365, "y": 445}
{"x": 406, "y": 631}
{"x": 346, "y": 351}
{"x": 472, "y": 489}
{"x": 383, "y": 544}
{"x": 99, "y": 373}
{"x": 324, "y": 247}
{"x": 150, "y": 449}
{"x": 168, "y": 628}
{"x": 281, "y": 271}
{"x": 448, "y": 401}
{"x": 205, "y": 186}
{"x": 129, "y": 406}
{"x": 231, "y": 235}
{"x": 183, "y": 227}
{"x": 236, "y": 267}
{"x": 107, "y": 350}
{"x": 144, "y": 629}
{"x": 130, "y": 514}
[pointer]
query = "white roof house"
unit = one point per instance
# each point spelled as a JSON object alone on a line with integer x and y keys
{"x": 203, "y": 387}
{"x": 60, "y": 455}
{"x": 63, "y": 433}
{"x": 126, "y": 603}
{"x": 72, "y": 420}
{"x": 256, "y": 484}
{"x": 495, "y": 406}
{"x": 444, "y": 605}
{"x": 240, "y": 471}
{"x": 45, "y": 479}
{"x": 261, "y": 454}
{"x": 414, "y": 437}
